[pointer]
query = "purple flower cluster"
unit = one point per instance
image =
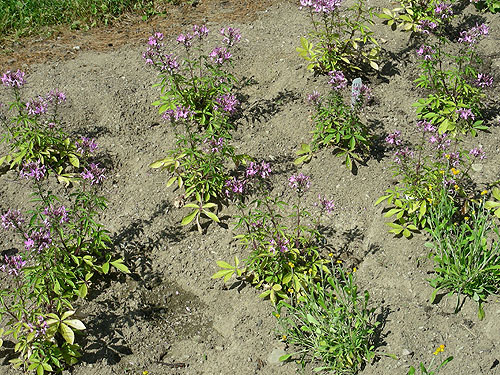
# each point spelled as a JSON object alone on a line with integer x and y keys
{"x": 466, "y": 113}
{"x": 444, "y": 10}
{"x": 426, "y": 52}
{"x": 13, "y": 265}
{"x": 337, "y": 80}
{"x": 37, "y": 106}
{"x": 299, "y": 182}
{"x": 56, "y": 96}
{"x": 280, "y": 244}
{"x": 440, "y": 141}
{"x": 478, "y": 152}
{"x": 13, "y": 79}
{"x": 185, "y": 39}
{"x": 262, "y": 169}
{"x": 94, "y": 174}
{"x": 326, "y": 205}
{"x": 86, "y": 146}
{"x": 231, "y": 36}
{"x": 59, "y": 214}
{"x": 321, "y": 6}
{"x": 33, "y": 169}
{"x": 425, "y": 126}
{"x": 226, "y": 103}
{"x": 40, "y": 328}
{"x": 394, "y": 138}
{"x": 200, "y": 31}
{"x": 180, "y": 112}
{"x": 361, "y": 94}
{"x": 473, "y": 35}
{"x": 454, "y": 159}
{"x": 483, "y": 80}
{"x": 156, "y": 40}
{"x": 402, "y": 155}
{"x": 314, "y": 98}
{"x": 155, "y": 56}
{"x": 38, "y": 240}
{"x": 234, "y": 186}
{"x": 219, "y": 55}
{"x": 12, "y": 219}
{"x": 214, "y": 145}
{"x": 426, "y": 26}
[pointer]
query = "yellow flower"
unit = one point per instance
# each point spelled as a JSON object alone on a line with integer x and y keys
{"x": 439, "y": 349}
{"x": 447, "y": 156}
{"x": 455, "y": 171}
{"x": 145, "y": 372}
{"x": 430, "y": 187}
{"x": 277, "y": 315}
{"x": 442, "y": 172}
{"x": 284, "y": 337}
{"x": 291, "y": 264}
{"x": 354, "y": 269}
{"x": 456, "y": 187}
{"x": 290, "y": 290}
{"x": 466, "y": 218}
{"x": 484, "y": 192}
{"x": 339, "y": 261}
{"x": 430, "y": 200}
{"x": 330, "y": 255}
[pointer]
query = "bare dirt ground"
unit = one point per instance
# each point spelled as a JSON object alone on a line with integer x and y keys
{"x": 169, "y": 317}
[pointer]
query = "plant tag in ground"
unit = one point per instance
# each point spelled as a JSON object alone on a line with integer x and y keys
{"x": 355, "y": 90}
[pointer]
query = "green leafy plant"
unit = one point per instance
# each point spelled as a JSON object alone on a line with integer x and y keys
{"x": 330, "y": 322}
{"x": 338, "y": 125}
{"x": 285, "y": 248}
{"x": 33, "y": 131}
{"x": 465, "y": 251}
{"x": 434, "y": 162}
{"x": 344, "y": 41}
{"x": 491, "y": 5}
{"x": 64, "y": 246}
{"x": 429, "y": 370}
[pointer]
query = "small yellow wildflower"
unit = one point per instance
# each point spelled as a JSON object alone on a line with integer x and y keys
{"x": 310, "y": 270}
{"x": 330, "y": 255}
{"x": 447, "y": 156}
{"x": 291, "y": 264}
{"x": 145, "y": 372}
{"x": 430, "y": 200}
{"x": 439, "y": 349}
{"x": 354, "y": 269}
{"x": 339, "y": 261}
{"x": 290, "y": 290}
{"x": 277, "y": 315}
{"x": 466, "y": 218}
{"x": 430, "y": 187}
{"x": 484, "y": 192}
{"x": 284, "y": 337}
{"x": 456, "y": 187}
{"x": 455, "y": 171}
{"x": 442, "y": 172}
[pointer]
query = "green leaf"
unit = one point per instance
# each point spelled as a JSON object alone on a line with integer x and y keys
{"x": 83, "y": 290}
{"x": 285, "y": 357}
{"x": 105, "y": 268}
{"x": 67, "y": 333}
{"x": 222, "y": 273}
{"x": 73, "y": 159}
{"x": 223, "y": 264}
{"x": 189, "y": 218}
{"x": 75, "y": 323}
{"x": 118, "y": 264}
{"x": 171, "y": 181}
{"x": 211, "y": 215}
{"x": 311, "y": 319}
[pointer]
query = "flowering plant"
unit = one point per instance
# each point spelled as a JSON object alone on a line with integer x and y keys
{"x": 285, "y": 248}
{"x": 33, "y": 130}
{"x": 455, "y": 86}
{"x": 434, "y": 163}
{"x": 431, "y": 369}
{"x": 492, "y": 5}
{"x": 344, "y": 39}
{"x": 63, "y": 247}
{"x": 338, "y": 124}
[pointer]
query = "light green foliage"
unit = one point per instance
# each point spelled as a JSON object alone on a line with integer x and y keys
{"x": 341, "y": 40}
{"x": 494, "y": 205}
{"x": 465, "y": 251}
{"x": 410, "y": 13}
{"x": 431, "y": 370}
{"x": 337, "y": 125}
{"x": 330, "y": 322}
{"x": 488, "y": 5}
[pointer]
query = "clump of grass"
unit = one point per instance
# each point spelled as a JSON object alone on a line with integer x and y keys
{"x": 330, "y": 322}
{"x": 27, "y": 17}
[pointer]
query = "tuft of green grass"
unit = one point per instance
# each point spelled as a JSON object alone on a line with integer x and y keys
{"x": 28, "y": 17}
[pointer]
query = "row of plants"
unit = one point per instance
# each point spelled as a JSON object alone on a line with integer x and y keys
{"x": 62, "y": 249}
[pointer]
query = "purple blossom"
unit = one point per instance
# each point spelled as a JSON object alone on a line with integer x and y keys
{"x": 200, "y": 31}
{"x": 86, "y": 146}
{"x": 473, "y": 35}
{"x": 38, "y": 240}
{"x": 454, "y": 159}
{"x": 402, "y": 154}
{"x": 59, "y": 214}
{"x": 51, "y": 125}
{"x": 262, "y": 169}
{"x": 214, "y": 145}
{"x": 426, "y": 52}
{"x": 231, "y": 36}
{"x": 219, "y": 55}
{"x": 337, "y": 80}
{"x": 426, "y": 26}
{"x": 280, "y": 244}
{"x": 156, "y": 40}
{"x": 37, "y": 106}
{"x": 12, "y": 219}
{"x": 440, "y": 141}
{"x": 483, "y": 80}
{"x": 326, "y": 204}
{"x": 478, "y": 152}
{"x": 426, "y": 126}
{"x": 56, "y": 96}
{"x": 180, "y": 112}
{"x": 299, "y": 182}
{"x": 466, "y": 113}
{"x": 13, "y": 265}
{"x": 314, "y": 98}
{"x": 360, "y": 93}
{"x": 185, "y": 39}
{"x": 321, "y": 6}
{"x": 13, "y": 79}
{"x": 234, "y": 186}
{"x": 94, "y": 174}
{"x": 394, "y": 138}
{"x": 226, "y": 103}
{"x": 444, "y": 10}
{"x": 33, "y": 169}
